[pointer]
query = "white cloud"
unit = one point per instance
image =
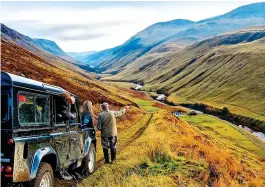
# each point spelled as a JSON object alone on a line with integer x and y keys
{"x": 83, "y": 26}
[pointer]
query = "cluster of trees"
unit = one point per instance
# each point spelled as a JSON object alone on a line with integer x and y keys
{"x": 169, "y": 102}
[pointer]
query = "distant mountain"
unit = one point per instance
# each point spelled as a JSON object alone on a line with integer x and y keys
{"x": 54, "y": 49}
{"x": 228, "y": 68}
{"x": 137, "y": 45}
{"x": 34, "y": 45}
{"x": 242, "y": 17}
{"x": 42, "y": 66}
{"x": 175, "y": 35}
{"x": 50, "y": 46}
{"x": 80, "y": 56}
{"x": 255, "y": 10}
{"x": 20, "y": 39}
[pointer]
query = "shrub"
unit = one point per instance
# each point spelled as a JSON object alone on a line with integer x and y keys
{"x": 225, "y": 111}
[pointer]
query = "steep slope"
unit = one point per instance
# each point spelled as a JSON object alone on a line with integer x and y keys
{"x": 181, "y": 34}
{"x": 229, "y": 68}
{"x": 118, "y": 57}
{"x": 34, "y": 45}
{"x": 54, "y": 49}
{"x": 80, "y": 56}
{"x": 44, "y": 67}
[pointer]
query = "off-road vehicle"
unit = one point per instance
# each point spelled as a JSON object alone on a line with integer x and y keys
{"x": 36, "y": 144}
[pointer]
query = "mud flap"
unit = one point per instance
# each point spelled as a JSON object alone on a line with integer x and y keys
{"x": 87, "y": 145}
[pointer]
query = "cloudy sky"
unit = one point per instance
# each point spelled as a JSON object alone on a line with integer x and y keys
{"x": 87, "y": 26}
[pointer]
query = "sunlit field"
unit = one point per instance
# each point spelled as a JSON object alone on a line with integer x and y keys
{"x": 158, "y": 149}
{"x": 227, "y": 135}
{"x": 172, "y": 153}
{"x": 232, "y": 108}
{"x": 121, "y": 84}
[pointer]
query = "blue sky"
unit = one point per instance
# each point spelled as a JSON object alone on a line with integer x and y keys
{"x": 87, "y": 26}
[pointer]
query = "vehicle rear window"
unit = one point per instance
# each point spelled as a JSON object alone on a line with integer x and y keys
{"x": 75, "y": 111}
{"x": 33, "y": 109}
{"x": 4, "y": 107}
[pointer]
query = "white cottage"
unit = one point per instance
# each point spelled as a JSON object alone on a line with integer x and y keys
{"x": 161, "y": 97}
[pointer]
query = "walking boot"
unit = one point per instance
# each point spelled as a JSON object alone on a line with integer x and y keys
{"x": 106, "y": 156}
{"x": 113, "y": 154}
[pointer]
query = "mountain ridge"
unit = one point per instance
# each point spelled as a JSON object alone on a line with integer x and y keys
{"x": 80, "y": 56}
{"x": 227, "y": 68}
{"x": 39, "y": 65}
{"x": 115, "y": 60}
{"x": 136, "y": 45}
{"x": 35, "y": 44}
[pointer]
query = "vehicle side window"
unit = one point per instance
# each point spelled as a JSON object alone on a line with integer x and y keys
{"x": 42, "y": 109}
{"x": 33, "y": 109}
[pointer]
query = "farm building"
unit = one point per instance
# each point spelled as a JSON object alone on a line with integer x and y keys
{"x": 161, "y": 97}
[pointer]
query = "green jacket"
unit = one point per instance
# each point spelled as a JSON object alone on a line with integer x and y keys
{"x": 107, "y": 122}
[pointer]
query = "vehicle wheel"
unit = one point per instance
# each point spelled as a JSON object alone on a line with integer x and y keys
{"x": 44, "y": 176}
{"x": 89, "y": 162}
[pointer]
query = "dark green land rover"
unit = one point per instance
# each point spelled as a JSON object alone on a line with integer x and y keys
{"x": 36, "y": 144}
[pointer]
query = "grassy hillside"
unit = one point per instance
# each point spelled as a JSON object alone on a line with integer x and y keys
{"x": 52, "y": 70}
{"x": 158, "y": 149}
{"x": 154, "y": 147}
{"x": 227, "y": 70}
{"x": 169, "y": 151}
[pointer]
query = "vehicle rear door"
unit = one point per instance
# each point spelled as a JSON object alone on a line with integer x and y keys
{"x": 76, "y": 137}
{"x": 7, "y": 148}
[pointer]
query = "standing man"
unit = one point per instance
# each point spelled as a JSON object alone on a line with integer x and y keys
{"x": 107, "y": 126}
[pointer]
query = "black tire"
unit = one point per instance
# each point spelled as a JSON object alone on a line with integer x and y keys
{"x": 89, "y": 162}
{"x": 44, "y": 172}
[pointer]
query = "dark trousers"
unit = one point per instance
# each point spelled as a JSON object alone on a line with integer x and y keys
{"x": 109, "y": 143}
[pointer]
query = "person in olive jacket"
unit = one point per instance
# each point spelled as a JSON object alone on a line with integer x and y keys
{"x": 108, "y": 127}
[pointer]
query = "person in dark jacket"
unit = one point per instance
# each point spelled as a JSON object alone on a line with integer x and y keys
{"x": 67, "y": 108}
{"x": 108, "y": 127}
{"x": 88, "y": 116}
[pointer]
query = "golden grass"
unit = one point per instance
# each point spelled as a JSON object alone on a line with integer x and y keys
{"x": 197, "y": 160}
{"x": 120, "y": 84}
